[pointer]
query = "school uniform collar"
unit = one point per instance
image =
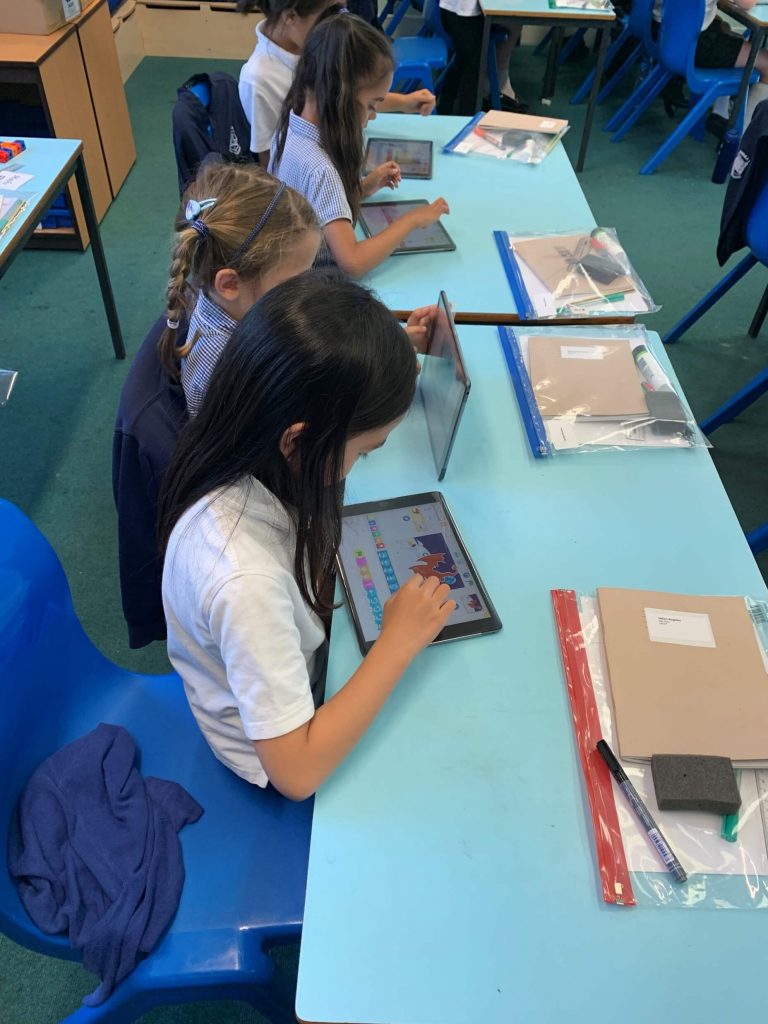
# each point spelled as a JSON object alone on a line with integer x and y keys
{"x": 210, "y": 318}
{"x": 302, "y": 127}
{"x": 289, "y": 60}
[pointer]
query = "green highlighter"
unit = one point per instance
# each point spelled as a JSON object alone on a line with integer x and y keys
{"x": 731, "y": 821}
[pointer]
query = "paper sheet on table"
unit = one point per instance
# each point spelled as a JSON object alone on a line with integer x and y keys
{"x": 567, "y": 432}
{"x": 546, "y": 305}
{"x": 694, "y": 837}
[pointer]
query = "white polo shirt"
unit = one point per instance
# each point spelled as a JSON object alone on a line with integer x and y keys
{"x": 265, "y": 79}
{"x": 464, "y": 8}
{"x": 239, "y": 633}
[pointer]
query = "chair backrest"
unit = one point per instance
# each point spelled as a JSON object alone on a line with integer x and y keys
{"x": 246, "y": 859}
{"x": 681, "y": 22}
{"x": 757, "y": 224}
{"x": 641, "y": 24}
{"x": 43, "y": 649}
{"x": 433, "y": 22}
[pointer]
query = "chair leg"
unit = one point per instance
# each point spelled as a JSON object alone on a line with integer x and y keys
{"x": 620, "y": 74}
{"x": 542, "y": 44}
{"x": 571, "y": 45}
{"x": 584, "y": 89}
{"x": 674, "y": 139}
{"x": 759, "y": 317}
{"x": 649, "y": 87}
{"x": 737, "y": 403}
{"x": 656, "y": 82}
{"x": 617, "y": 118}
{"x": 699, "y": 130}
{"x": 758, "y": 539}
{"x": 712, "y": 296}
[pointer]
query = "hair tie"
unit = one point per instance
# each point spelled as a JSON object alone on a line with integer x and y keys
{"x": 201, "y": 228}
{"x": 260, "y": 224}
{"x": 172, "y": 324}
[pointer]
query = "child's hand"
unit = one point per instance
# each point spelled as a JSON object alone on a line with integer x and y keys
{"x": 386, "y": 175}
{"x": 420, "y": 102}
{"x": 419, "y": 325}
{"x": 415, "y": 614}
{"x": 425, "y": 216}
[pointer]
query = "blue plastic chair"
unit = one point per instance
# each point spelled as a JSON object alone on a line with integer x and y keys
{"x": 628, "y": 34}
{"x": 678, "y": 36}
{"x": 748, "y": 395}
{"x": 641, "y": 27}
{"x": 418, "y": 58}
{"x": 757, "y": 239}
{"x": 411, "y": 71}
{"x": 246, "y": 859}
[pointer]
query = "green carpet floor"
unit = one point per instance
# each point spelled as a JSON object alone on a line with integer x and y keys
{"x": 56, "y": 432}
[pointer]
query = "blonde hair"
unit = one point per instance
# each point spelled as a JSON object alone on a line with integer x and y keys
{"x": 243, "y": 192}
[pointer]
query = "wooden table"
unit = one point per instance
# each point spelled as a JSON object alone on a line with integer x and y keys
{"x": 539, "y": 12}
{"x": 52, "y": 163}
{"x": 73, "y": 76}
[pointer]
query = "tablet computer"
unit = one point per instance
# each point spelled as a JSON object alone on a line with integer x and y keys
{"x": 375, "y": 217}
{"x": 443, "y": 384}
{"x": 384, "y": 542}
{"x": 414, "y": 156}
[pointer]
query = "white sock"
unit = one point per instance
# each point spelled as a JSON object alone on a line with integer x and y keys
{"x": 757, "y": 93}
{"x": 722, "y": 106}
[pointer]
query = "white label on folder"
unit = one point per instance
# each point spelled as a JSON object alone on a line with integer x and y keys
{"x": 547, "y": 123}
{"x": 692, "y": 629}
{"x": 13, "y": 179}
{"x": 581, "y": 352}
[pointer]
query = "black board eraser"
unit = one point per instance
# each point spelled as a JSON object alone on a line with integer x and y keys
{"x": 695, "y": 782}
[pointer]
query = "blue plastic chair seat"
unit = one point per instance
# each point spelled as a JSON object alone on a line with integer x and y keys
{"x": 246, "y": 858}
{"x": 431, "y": 51}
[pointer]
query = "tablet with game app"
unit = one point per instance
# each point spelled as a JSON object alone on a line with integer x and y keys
{"x": 443, "y": 385}
{"x": 383, "y": 543}
{"x": 414, "y": 156}
{"x": 376, "y": 217}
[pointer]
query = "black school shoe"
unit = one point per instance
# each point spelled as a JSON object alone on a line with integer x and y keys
{"x": 512, "y": 106}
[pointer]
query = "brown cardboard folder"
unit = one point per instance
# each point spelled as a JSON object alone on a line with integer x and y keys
{"x": 554, "y": 260}
{"x": 585, "y": 377}
{"x": 672, "y": 698}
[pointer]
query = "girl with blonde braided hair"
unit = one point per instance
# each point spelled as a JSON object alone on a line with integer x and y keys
{"x": 239, "y": 233}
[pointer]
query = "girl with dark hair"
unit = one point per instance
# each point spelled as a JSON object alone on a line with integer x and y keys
{"x": 317, "y": 374}
{"x": 266, "y": 77}
{"x": 341, "y": 80}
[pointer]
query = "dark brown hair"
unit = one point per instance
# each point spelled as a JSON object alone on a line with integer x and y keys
{"x": 317, "y": 350}
{"x": 341, "y": 55}
{"x": 273, "y": 9}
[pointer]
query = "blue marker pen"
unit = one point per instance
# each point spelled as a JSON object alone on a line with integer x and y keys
{"x": 653, "y": 831}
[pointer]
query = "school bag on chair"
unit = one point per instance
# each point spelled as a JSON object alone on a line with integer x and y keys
{"x": 208, "y": 118}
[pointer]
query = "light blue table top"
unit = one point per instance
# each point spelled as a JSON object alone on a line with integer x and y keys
{"x": 757, "y": 15}
{"x": 485, "y": 195}
{"x": 538, "y": 9}
{"x": 452, "y": 874}
{"x": 48, "y": 160}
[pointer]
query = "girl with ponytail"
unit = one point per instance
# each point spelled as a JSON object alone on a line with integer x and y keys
{"x": 239, "y": 233}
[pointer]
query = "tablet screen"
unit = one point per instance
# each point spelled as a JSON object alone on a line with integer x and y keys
{"x": 444, "y": 385}
{"x": 382, "y": 548}
{"x": 413, "y": 156}
{"x": 375, "y": 217}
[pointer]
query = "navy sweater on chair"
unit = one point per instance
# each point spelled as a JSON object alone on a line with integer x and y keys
{"x": 151, "y": 414}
